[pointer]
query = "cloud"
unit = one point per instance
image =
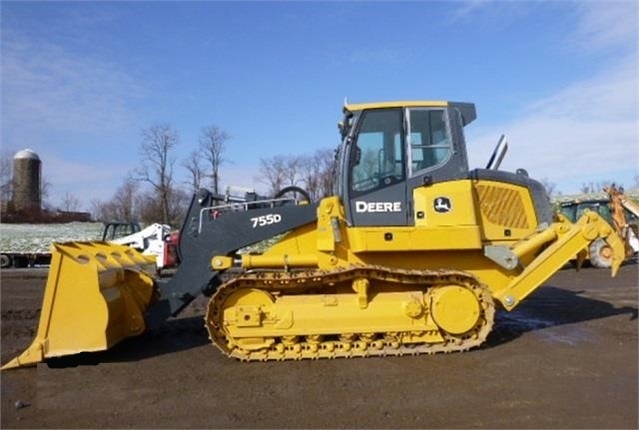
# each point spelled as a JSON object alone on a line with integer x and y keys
{"x": 611, "y": 95}
{"x": 466, "y": 9}
{"x": 490, "y": 13}
{"x": 63, "y": 104}
{"x": 589, "y": 130}
{"x": 603, "y": 25}
{"x": 586, "y": 132}
{"x": 48, "y": 88}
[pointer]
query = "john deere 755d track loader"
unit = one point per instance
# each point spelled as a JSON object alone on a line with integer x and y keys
{"x": 412, "y": 254}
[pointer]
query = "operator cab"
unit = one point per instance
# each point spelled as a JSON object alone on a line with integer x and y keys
{"x": 390, "y": 148}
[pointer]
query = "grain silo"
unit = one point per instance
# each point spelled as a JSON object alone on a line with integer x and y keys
{"x": 26, "y": 181}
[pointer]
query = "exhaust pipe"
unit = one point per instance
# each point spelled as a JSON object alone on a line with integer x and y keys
{"x": 498, "y": 154}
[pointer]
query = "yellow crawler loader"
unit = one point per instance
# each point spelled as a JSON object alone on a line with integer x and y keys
{"x": 412, "y": 254}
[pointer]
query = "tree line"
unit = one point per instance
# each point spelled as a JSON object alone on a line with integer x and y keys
{"x": 313, "y": 172}
{"x": 150, "y": 193}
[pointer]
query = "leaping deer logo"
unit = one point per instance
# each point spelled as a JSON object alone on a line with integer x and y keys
{"x": 442, "y": 204}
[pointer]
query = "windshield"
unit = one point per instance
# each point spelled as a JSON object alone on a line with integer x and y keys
{"x": 569, "y": 212}
{"x": 377, "y": 154}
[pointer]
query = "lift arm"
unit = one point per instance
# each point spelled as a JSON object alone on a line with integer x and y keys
{"x": 210, "y": 231}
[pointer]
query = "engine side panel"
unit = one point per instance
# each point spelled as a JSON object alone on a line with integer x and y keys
{"x": 506, "y": 211}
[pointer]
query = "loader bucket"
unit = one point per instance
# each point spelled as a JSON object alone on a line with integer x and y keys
{"x": 95, "y": 296}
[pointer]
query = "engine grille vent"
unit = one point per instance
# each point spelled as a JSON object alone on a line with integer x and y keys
{"x": 502, "y": 206}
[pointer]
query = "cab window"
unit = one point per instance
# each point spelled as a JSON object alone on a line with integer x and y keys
{"x": 430, "y": 141}
{"x": 377, "y": 156}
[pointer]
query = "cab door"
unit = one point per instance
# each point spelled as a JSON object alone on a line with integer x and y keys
{"x": 377, "y": 170}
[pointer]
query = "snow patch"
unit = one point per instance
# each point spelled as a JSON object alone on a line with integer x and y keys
{"x": 39, "y": 237}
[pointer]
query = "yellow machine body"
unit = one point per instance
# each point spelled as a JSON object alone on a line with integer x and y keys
{"x": 494, "y": 214}
{"x": 385, "y": 316}
{"x": 406, "y": 258}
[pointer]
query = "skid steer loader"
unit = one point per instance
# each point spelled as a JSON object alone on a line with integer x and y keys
{"x": 412, "y": 254}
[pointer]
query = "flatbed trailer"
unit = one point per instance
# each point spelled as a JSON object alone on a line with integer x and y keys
{"x": 24, "y": 259}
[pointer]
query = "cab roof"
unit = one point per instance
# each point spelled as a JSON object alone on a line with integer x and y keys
{"x": 467, "y": 110}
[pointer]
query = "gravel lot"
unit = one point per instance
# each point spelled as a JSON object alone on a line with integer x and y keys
{"x": 566, "y": 358}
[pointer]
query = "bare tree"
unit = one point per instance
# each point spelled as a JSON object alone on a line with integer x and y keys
{"x": 150, "y": 206}
{"x": 329, "y": 172}
{"x": 157, "y": 164}
{"x": 123, "y": 206}
{"x": 325, "y": 158}
{"x": 196, "y": 173}
{"x": 596, "y": 187}
{"x": 125, "y": 200}
{"x": 178, "y": 206}
{"x": 587, "y": 188}
{"x": 292, "y": 170}
{"x": 272, "y": 172}
{"x": 314, "y": 173}
{"x": 212, "y": 144}
{"x": 6, "y": 176}
{"x": 548, "y": 186}
{"x": 310, "y": 172}
{"x": 70, "y": 202}
{"x": 45, "y": 187}
{"x": 100, "y": 210}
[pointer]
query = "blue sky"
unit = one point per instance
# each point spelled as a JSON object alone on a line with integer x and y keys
{"x": 80, "y": 80}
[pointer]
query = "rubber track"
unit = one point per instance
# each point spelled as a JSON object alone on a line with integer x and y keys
{"x": 300, "y": 281}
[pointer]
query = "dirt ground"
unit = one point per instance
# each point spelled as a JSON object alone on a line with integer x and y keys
{"x": 566, "y": 358}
